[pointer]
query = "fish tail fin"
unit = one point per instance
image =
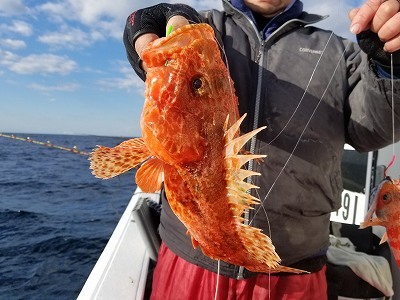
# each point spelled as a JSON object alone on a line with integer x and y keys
{"x": 109, "y": 162}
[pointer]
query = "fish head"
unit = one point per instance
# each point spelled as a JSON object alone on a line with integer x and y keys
{"x": 189, "y": 94}
{"x": 388, "y": 200}
{"x": 385, "y": 201}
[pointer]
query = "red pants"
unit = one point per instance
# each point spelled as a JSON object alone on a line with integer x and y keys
{"x": 177, "y": 279}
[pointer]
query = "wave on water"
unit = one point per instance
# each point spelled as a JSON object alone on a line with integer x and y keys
{"x": 55, "y": 216}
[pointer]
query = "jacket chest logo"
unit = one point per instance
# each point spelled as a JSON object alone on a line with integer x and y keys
{"x": 308, "y": 50}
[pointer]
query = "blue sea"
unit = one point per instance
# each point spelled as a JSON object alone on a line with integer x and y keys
{"x": 55, "y": 216}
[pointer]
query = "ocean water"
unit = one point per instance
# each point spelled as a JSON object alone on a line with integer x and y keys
{"x": 55, "y": 216}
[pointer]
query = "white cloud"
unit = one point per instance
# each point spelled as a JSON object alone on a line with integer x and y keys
{"x": 69, "y": 38}
{"x": 128, "y": 80}
{"x": 12, "y": 7}
{"x": 19, "y": 27}
{"x": 70, "y": 87}
{"x": 7, "y": 58}
{"x": 42, "y": 64}
{"x": 12, "y": 44}
{"x": 105, "y": 18}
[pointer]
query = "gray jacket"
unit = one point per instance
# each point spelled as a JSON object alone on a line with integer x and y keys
{"x": 311, "y": 106}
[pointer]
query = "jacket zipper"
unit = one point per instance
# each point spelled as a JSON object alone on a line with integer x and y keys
{"x": 259, "y": 60}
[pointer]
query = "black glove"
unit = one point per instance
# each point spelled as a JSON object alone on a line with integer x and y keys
{"x": 152, "y": 20}
{"x": 371, "y": 44}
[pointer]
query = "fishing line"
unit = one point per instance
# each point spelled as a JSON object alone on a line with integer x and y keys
{"x": 302, "y": 133}
{"x": 217, "y": 282}
{"x": 305, "y": 91}
{"x": 310, "y": 80}
{"x": 311, "y": 116}
{"x": 391, "y": 163}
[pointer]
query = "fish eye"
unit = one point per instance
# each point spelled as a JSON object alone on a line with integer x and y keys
{"x": 386, "y": 198}
{"x": 197, "y": 83}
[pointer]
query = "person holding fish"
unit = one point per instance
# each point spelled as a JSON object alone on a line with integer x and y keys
{"x": 314, "y": 91}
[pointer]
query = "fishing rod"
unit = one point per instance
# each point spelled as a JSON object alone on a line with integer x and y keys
{"x": 74, "y": 149}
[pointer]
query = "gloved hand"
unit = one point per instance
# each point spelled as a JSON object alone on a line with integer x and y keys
{"x": 152, "y": 21}
{"x": 371, "y": 44}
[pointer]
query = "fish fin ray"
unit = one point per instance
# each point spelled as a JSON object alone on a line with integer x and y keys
{"x": 233, "y": 142}
{"x": 237, "y": 161}
{"x": 150, "y": 175}
{"x": 235, "y": 177}
{"x": 232, "y": 131}
{"x": 373, "y": 222}
{"x": 261, "y": 248}
{"x": 384, "y": 238}
{"x": 284, "y": 269}
{"x": 259, "y": 245}
{"x": 107, "y": 162}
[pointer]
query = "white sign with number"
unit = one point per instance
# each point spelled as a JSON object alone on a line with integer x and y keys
{"x": 353, "y": 209}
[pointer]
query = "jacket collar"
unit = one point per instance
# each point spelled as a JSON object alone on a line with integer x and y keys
{"x": 292, "y": 11}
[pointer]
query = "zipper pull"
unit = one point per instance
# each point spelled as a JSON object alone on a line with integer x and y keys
{"x": 260, "y": 51}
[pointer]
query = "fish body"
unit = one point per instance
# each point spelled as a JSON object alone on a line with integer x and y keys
{"x": 386, "y": 206}
{"x": 190, "y": 126}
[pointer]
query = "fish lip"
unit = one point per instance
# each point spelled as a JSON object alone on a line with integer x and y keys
{"x": 388, "y": 178}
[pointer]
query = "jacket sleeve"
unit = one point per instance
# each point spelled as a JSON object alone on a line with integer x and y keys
{"x": 152, "y": 20}
{"x": 368, "y": 107}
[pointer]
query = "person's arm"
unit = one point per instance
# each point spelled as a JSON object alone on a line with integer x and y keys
{"x": 147, "y": 24}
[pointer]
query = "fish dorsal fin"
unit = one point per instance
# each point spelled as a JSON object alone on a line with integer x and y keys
{"x": 109, "y": 162}
{"x": 150, "y": 176}
{"x": 238, "y": 196}
{"x": 256, "y": 243}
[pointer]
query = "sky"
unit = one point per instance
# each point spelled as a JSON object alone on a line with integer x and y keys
{"x": 63, "y": 67}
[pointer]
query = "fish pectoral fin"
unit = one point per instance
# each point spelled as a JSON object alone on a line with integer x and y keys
{"x": 195, "y": 243}
{"x": 373, "y": 222}
{"x": 150, "y": 175}
{"x": 384, "y": 238}
{"x": 109, "y": 162}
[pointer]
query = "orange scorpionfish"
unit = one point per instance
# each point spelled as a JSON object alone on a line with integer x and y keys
{"x": 386, "y": 206}
{"x": 190, "y": 140}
